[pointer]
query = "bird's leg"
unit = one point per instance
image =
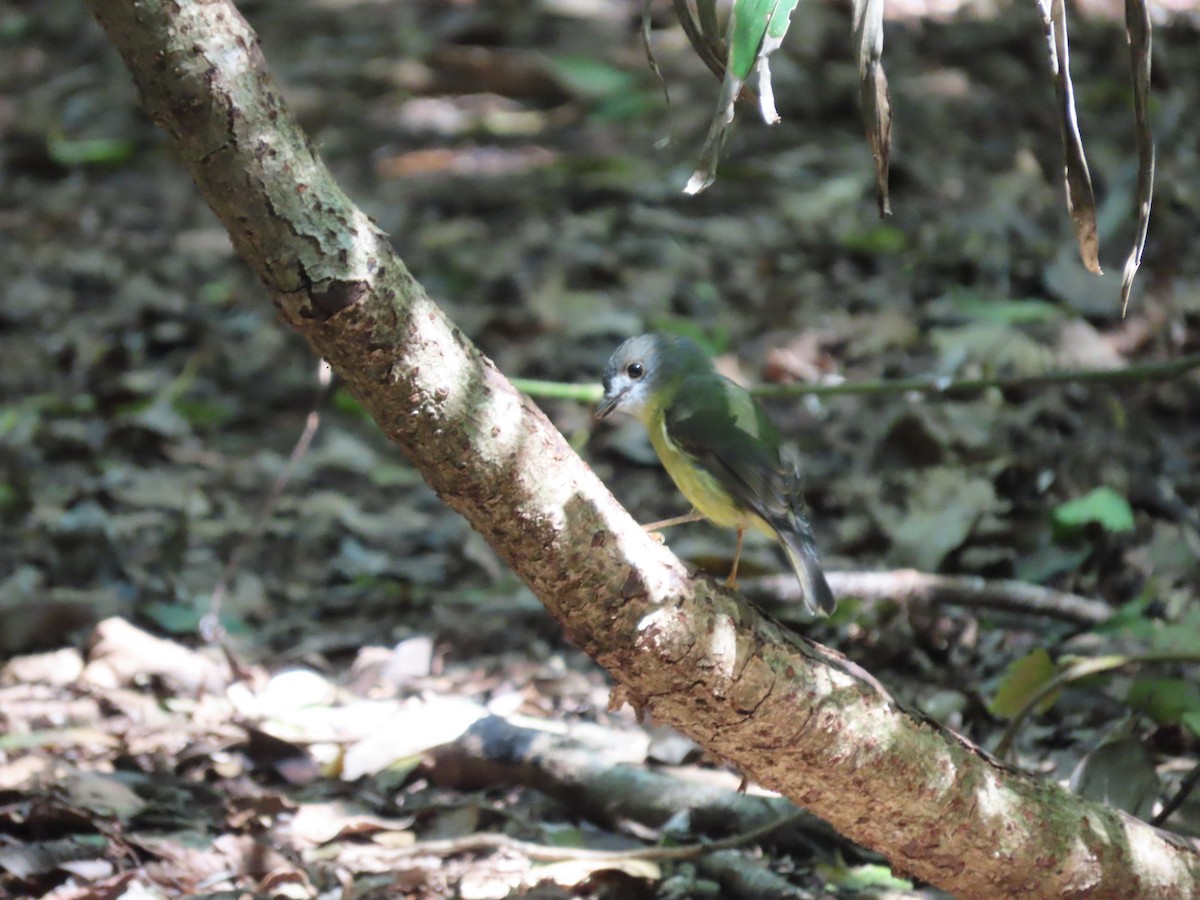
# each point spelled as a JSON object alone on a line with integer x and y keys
{"x": 731, "y": 581}
{"x": 693, "y": 516}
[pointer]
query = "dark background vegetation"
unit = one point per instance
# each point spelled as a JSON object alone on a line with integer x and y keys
{"x": 523, "y": 159}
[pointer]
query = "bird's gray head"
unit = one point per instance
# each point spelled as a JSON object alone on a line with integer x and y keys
{"x": 642, "y": 372}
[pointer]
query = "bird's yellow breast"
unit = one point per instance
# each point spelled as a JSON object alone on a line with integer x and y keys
{"x": 701, "y": 488}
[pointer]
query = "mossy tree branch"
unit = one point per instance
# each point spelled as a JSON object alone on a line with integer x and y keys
{"x": 790, "y": 714}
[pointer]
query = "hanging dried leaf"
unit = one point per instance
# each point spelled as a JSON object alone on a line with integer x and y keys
{"x": 710, "y": 153}
{"x": 703, "y": 34}
{"x": 873, "y": 91}
{"x": 756, "y": 29}
{"x": 1081, "y": 203}
{"x": 777, "y": 26}
{"x": 650, "y": 60}
{"x": 1137, "y": 31}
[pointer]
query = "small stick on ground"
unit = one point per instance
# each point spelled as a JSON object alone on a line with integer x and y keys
{"x": 909, "y": 586}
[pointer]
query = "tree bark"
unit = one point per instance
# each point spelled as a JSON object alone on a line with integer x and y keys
{"x": 790, "y": 714}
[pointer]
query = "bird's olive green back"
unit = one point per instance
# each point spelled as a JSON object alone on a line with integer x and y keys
{"x": 729, "y": 434}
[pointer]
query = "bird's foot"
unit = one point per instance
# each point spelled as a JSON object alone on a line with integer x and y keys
{"x": 693, "y": 516}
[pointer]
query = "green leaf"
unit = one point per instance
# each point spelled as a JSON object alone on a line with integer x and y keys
{"x": 1179, "y": 636}
{"x": 184, "y": 618}
{"x": 1007, "y": 312}
{"x": 1119, "y": 773}
{"x": 1191, "y": 720}
{"x": 1022, "y": 679}
{"x": 176, "y": 618}
{"x": 204, "y": 413}
{"x": 1165, "y": 700}
{"x": 15, "y": 26}
{"x": 1103, "y": 506}
{"x": 343, "y": 400}
{"x": 217, "y": 292}
{"x": 1130, "y": 619}
{"x": 860, "y": 878}
{"x": 590, "y": 78}
{"x": 91, "y": 151}
{"x": 879, "y": 240}
{"x": 870, "y": 877}
{"x": 747, "y": 28}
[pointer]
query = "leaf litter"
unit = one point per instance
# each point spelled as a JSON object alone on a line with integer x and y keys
{"x": 148, "y": 401}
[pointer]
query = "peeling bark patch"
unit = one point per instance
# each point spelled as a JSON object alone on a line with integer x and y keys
{"x": 339, "y": 296}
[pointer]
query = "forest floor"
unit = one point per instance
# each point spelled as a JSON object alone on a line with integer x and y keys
{"x": 529, "y": 171}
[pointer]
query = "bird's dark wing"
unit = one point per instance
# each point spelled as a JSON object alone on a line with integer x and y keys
{"x": 728, "y": 434}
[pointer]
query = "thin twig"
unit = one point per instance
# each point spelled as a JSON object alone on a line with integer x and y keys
{"x": 947, "y": 386}
{"x": 937, "y": 385}
{"x": 909, "y": 585}
{"x": 210, "y": 624}
{"x": 542, "y": 852}
{"x": 1186, "y": 786}
{"x": 559, "y": 390}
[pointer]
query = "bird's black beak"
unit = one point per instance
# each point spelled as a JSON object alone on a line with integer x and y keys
{"x": 608, "y": 404}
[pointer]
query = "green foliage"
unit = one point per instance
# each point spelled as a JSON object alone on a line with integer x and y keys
{"x": 90, "y": 151}
{"x": 216, "y": 292}
{"x": 184, "y": 618}
{"x": 1191, "y": 721}
{"x": 849, "y": 610}
{"x": 1130, "y": 619}
{"x": 879, "y": 240}
{"x": 1180, "y": 636}
{"x": 1165, "y": 700}
{"x": 712, "y": 339}
{"x": 17, "y": 422}
{"x": 20, "y": 421}
{"x": 1102, "y": 506}
{"x": 1005, "y": 312}
{"x": 588, "y": 76}
{"x": 870, "y": 877}
{"x": 1119, "y": 773}
{"x": 617, "y": 94}
{"x": 204, "y": 413}
{"x": 752, "y": 22}
{"x": 15, "y": 25}
{"x": 755, "y": 30}
{"x": 344, "y": 401}
{"x": 1022, "y": 679}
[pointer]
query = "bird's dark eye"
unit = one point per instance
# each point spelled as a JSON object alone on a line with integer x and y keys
{"x": 635, "y": 370}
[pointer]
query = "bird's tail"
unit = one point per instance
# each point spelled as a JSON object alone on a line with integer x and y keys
{"x": 798, "y": 542}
